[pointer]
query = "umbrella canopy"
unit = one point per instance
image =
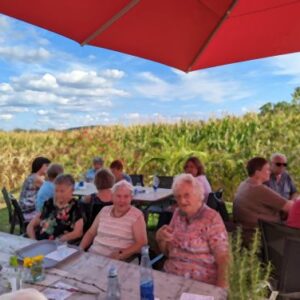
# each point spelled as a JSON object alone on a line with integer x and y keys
{"x": 185, "y": 34}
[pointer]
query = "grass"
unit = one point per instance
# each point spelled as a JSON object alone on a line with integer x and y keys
{"x": 4, "y": 225}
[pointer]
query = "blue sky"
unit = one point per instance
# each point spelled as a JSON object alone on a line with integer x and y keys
{"x": 48, "y": 81}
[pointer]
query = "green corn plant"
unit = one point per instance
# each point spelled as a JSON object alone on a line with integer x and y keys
{"x": 248, "y": 276}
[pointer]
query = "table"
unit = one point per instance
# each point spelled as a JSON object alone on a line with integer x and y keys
{"x": 89, "y": 188}
{"x": 147, "y": 197}
{"x": 93, "y": 268}
{"x": 150, "y": 197}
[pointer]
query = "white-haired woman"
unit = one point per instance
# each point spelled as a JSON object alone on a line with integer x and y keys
{"x": 61, "y": 216}
{"x": 119, "y": 230}
{"x": 196, "y": 241}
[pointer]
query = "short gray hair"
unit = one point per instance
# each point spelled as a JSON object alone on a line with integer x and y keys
{"x": 188, "y": 178}
{"x": 54, "y": 170}
{"x": 98, "y": 160}
{"x": 65, "y": 179}
{"x": 122, "y": 183}
{"x": 274, "y": 155}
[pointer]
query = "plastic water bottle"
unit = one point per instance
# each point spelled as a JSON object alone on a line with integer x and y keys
{"x": 155, "y": 183}
{"x": 113, "y": 286}
{"x": 146, "y": 280}
{"x": 138, "y": 188}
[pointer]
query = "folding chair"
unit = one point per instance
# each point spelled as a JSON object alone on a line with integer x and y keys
{"x": 17, "y": 215}
{"x": 289, "y": 280}
{"x": 137, "y": 178}
{"x": 274, "y": 236}
{"x": 165, "y": 182}
{"x": 11, "y": 217}
{"x": 216, "y": 202}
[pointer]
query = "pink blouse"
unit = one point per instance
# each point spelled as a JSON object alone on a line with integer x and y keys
{"x": 196, "y": 242}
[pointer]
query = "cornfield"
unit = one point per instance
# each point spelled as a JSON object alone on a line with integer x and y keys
{"x": 224, "y": 145}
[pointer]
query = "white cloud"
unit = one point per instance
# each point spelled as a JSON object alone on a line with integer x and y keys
{"x": 5, "y": 87}
{"x": 47, "y": 82}
{"x": 194, "y": 86}
{"x": 6, "y": 117}
{"x": 74, "y": 88}
{"x": 137, "y": 118}
{"x": 62, "y": 120}
{"x": 24, "y": 54}
{"x": 42, "y": 112}
{"x": 287, "y": 65}
{"x": 113, "y": 73}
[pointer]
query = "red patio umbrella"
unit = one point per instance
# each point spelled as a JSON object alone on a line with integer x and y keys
{"x": 185, "y": 34}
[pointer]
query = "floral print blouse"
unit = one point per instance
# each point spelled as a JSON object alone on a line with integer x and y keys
{"x": 57, "y": 221}
{"x": 196, "y": 242}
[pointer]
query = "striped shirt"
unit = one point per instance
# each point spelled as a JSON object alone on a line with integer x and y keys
{"x": 114, "y": 234}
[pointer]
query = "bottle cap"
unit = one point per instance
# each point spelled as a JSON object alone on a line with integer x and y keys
{"x": 112, "y": 272}
{"x": 145, "y": 249}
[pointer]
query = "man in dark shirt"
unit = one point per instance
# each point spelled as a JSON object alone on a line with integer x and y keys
{"x": 280, "y": 181}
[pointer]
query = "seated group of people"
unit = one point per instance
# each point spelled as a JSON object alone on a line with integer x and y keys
{"x": 195, "y": 242}
{"x": 268, "y": 193}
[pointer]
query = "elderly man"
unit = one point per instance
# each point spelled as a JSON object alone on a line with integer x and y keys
{"x": 254, "y": 200}
{"x": 280, "y": 181}
{"x": 98, "y": 163}
{"x": 196, "y": 241}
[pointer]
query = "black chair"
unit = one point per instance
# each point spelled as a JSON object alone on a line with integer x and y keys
{"x": 216, "y": 202}
{"x": 137, "y": 178}
{"x": 11, "y": 218}
{"x": 164, "y": 216}
{"x": 165, "y": 182}
{"x": 274, "y": 236}
{"x": 289, "y": 280}
{"x": 17, "y": 215}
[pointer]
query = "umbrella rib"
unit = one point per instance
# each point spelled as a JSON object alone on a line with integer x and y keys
{"x": 212, "y": 34}
{"x": 112, "y": 20}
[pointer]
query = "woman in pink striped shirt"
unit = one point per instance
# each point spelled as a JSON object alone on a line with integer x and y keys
{"x": 196, "y": 241}
{"x": 119, "y": 230}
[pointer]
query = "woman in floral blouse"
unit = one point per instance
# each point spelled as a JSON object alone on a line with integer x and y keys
{"x": 60, "y": 217}
{"x": 196, "y": 241}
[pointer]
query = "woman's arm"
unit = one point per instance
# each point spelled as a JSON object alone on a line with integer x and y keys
{"x": 38, "y": 181}
{"x": 35, "y": 222}
{"x": 140, "y": 237}
{"x": 90, "y": 234}
{"x": 222, "y": 260}
{"x": 75, "y": 234}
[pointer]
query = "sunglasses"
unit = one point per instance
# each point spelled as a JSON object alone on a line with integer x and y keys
{"x": 281, "y": 164}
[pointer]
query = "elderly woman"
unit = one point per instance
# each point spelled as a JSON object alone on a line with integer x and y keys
{"x": 195, "y": 167}
{"x": 60, "y": 217}
{"x": 104, "y": 181}
{"x": 119, "y": 230}
{"x": 32, "y": 184}
{"x": 196, "y": 241}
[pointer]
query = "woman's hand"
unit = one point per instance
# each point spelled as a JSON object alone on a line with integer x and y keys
{"x": 116, "y": 255}
{"x": 165, "y": 234}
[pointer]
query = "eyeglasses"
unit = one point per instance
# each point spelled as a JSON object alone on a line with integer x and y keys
{"x": 278, "y": 164}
